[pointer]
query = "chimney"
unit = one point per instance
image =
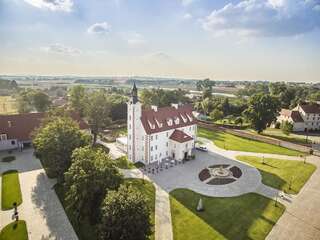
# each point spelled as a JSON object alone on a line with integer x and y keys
{"x": 175, "y": 105}
{"x": 154, "y": 108}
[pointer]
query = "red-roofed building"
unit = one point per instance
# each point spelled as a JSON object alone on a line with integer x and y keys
{"x": 159, "y": 133}
{"x": 16, "y": 129}
{"x": 303, "y": 117}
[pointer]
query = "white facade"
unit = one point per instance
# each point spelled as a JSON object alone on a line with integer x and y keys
{"x": 7, "y": 144}
{"x": 303, "y": 117}
{"x": 157, "y": 145}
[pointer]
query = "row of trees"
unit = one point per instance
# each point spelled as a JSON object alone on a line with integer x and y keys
{"x": 93, "y": 186}
{"x": 258, "y": 103}
{"x": 98, "y": 107}
{"x": 162, "y": 98}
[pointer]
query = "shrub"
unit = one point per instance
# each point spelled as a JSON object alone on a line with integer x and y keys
{"x": 277, "y": 125}
{"x": 8, "y": 159}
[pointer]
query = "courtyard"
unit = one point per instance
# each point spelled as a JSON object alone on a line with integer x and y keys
{"x": 246, "y": 206}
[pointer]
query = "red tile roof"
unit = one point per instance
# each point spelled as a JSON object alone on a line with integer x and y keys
{"x": 311, "y": 108}
{"x": 20, "y": 126}
{"x": 295, "y": 115}
{"x": 180, "y": 136}
{"x": 159, "y": 121}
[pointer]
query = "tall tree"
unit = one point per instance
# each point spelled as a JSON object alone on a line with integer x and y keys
{"x": 24, "y": 101}
{"x": 262, "y": 110}
{"x": 97, "y": 112}
{"x": 54, "y": 143}
{"x": 40, "y": 101}
{"x": 216, "y": 114}
{"x": 78, "y": 99}
{"x": 125, "y": 215}
{"x": 91, "y": 174}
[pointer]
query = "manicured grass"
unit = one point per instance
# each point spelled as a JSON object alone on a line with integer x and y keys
{"x": 87, "y": 231}
{"x": 15, "y": 231}
{"x": 286, "y": 175}
{"x": 8, "y": 158}
{"x": 231, "y": 142}
{"x": 11, "y": 191}
{"x": 124, "y": 163}
{"x": 278, "y": 134}
{"x": 250, "y": 216}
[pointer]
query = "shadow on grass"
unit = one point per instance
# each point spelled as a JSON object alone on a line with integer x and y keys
{"x": 250, "y": 216}
{"x": 272, "y": 180}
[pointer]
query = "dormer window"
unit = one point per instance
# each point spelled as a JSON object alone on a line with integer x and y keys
{"x": 152, "y": 126}
{"x": 176, "y": 120}
{"x": 169, "y": 121}
{"x": 183, "y": 118}
{"x": 3, "y": 137}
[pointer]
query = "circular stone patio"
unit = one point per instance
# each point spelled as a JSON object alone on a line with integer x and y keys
{"x": 247, "y": 178}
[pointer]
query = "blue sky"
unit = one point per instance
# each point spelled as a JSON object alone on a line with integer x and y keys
{"x": 275, "y": 40}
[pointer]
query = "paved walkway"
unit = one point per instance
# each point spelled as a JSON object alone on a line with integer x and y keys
{"x": 41, "y": 208}
{"x": 300, "y": 221}
{"x": 115, "y": 152}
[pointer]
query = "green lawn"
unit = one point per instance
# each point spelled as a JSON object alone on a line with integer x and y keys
{"x": 87, "y": 231}
{"x": 278, "y": 134}
{"x": 232, "y": 142}
{"x": 11, "y": 191}
{"x": 14, "y": 231}
{"x": 250, "y": 216}
{"x": 278, "y": 173}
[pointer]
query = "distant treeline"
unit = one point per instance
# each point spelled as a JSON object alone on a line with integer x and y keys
{"x": 95, "y": 81}
{"x": 7, "y": 84}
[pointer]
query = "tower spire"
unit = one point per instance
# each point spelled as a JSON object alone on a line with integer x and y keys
{"x": 134, "y": 93}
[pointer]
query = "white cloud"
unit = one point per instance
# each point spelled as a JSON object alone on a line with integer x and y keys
{"x": 134, "y": 39}
{"x": 187, "y": 16}
{"x": 186, "y": 2}
{"x": 276, "y": 18}
{"x": 99, "y": 28}
{"x": 58, "y": 48}
{"x": 53, "y": 5}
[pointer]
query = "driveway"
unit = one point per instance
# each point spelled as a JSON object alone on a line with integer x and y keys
{"x": 41, "y": 208}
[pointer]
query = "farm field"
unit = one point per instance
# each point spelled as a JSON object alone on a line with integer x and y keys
{"x": 7, "y": 105}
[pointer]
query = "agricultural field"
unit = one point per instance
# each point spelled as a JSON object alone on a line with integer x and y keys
{"x": 7, "y": 105}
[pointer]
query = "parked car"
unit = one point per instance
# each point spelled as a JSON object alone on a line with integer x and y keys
{"x": 202, "y": 149}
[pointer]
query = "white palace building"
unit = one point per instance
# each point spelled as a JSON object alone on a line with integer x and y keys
{"x": 159, "y": 133}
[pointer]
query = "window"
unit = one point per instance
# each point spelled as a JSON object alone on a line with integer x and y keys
{"x": 13, "y": 142}
{"x": 129, "y": 117}
{"x": 166, "y": 153}
{"x": 156, "y": 147}
{"x": 129, "y": 136}
{"x": 3, "y": 137}
{"x": 167, "y": 144}
{"x": 151, "y": 148}
{"x": 151, "y": 158}
{"x": 156, "y": 156}
{"x": 160, "y": 155}
{"x": 142, "y": 138}
{"x": 129, "y": 126}
{"x": 151, "y": 138}
{"x": 156, "y": 137}
{"x": 167, "y": 134}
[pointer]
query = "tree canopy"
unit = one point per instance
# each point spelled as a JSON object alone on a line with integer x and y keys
{"x": 91, "y": 175}
{"x": 262, "y": 111}
{"x": 125, "y": 215}
{"x": 54, "y": 143}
